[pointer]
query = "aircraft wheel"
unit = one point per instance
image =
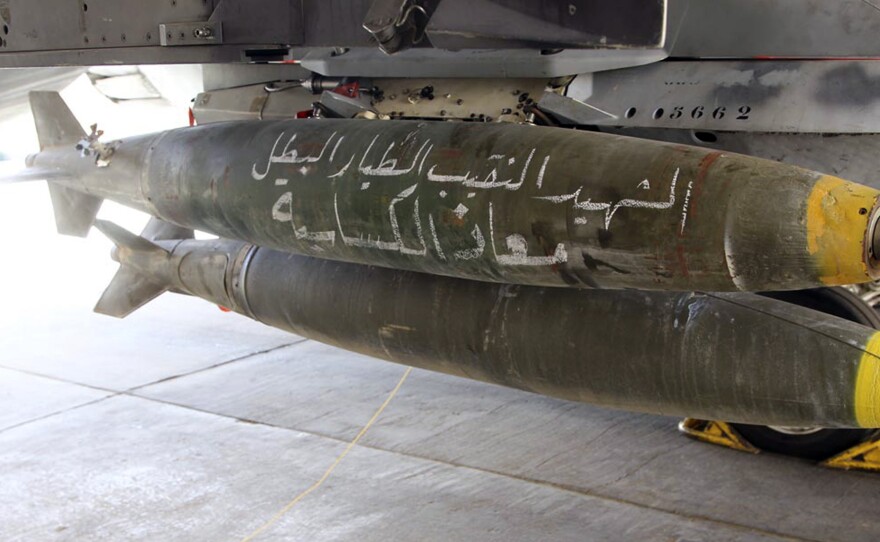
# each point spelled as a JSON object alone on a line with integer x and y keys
{"x": 813, "y": 443}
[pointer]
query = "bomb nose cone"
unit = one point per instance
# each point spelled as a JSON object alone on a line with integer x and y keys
{"x": 840, "y": 224}
{"x": 871, "y": 241}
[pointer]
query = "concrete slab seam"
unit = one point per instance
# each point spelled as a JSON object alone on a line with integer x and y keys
{"x": 562, "y": 487}
{"x": 62, "y": 411}
{"x": 278, "y": 515}
{"x": 581, "y": 492}
{"x": 218, "y": 365}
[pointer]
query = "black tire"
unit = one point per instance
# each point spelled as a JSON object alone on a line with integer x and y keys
{"x": 836, "y": 301}
{"x": 818, "y": 444}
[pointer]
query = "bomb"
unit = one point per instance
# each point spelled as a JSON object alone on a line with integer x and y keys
{"x": 731, "y": 356}
{"x": 502, "y": 203}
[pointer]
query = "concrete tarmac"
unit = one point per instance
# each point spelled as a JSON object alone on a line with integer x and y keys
{"x": 185, "y": 423}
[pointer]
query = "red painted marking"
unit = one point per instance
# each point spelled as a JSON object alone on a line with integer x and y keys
{"x": 448, "y": 152}
{"x": 682, "y": 261}
{"x": 697, "y": 191}
{"x": 351, "y": 90}
{"x": 312, "y": 147}
{"x": 223, "y": 309}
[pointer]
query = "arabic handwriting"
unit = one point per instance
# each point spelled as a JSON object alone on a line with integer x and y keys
{"x": 498, "y": 171}
{"x": 291, "y": 155}
{"x": 612, "y": 208}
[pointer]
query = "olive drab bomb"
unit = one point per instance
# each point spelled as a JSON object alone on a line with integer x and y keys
{"x": 501, "y": 203}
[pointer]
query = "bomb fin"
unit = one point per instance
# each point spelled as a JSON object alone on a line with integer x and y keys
{"x": 75, "y": 212}
{"x": 130, "y": 289}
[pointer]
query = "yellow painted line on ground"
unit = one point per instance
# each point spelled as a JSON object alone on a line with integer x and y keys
{"x": 278, "y": 515}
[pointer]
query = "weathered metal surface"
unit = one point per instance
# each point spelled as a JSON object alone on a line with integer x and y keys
{"x": 61, "y": 32}
{"x": 252, "y": 102}
{"x": 773, "y": 28}
{"x": 229, "y": 76}
{"x": 190, "y": 33}
{"x": 91, "y": 32}
{"x": 337, "y": 23}
{"x": 746, "y": 96}
{"x": 197, "y": 54}
{"x": 478, "y": 24}
{"x": 473, "y": 63}
{"x": 398, "y": 24}
{"x": 54, "y": 32}
{"x": 851, "y": 156}
{"x": 569, "y": 111}
{"x": 503, "y": 203}
{"x": 735, "y": 357}
{"x": 87, "y": 24}
{"x": 150, "y": 269}
{"x": 456, "y": 98}
{"x": 506, "y": 24}
{"x": 339, "y": 106}
{"x": 440, "y": 99}
{"x": 74, "y": 210}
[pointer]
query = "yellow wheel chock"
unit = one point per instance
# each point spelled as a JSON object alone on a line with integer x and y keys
{"x": 715, "y": 432}
{"x": 864, "y": 456}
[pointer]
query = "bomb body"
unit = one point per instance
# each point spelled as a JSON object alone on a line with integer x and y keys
{"x": 735, "y": 356}
{"x": 494, "y": 202}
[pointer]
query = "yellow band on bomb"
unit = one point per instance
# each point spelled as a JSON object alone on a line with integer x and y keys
{"x": 838, "y": 216}
{"x": 867, "y": 397}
